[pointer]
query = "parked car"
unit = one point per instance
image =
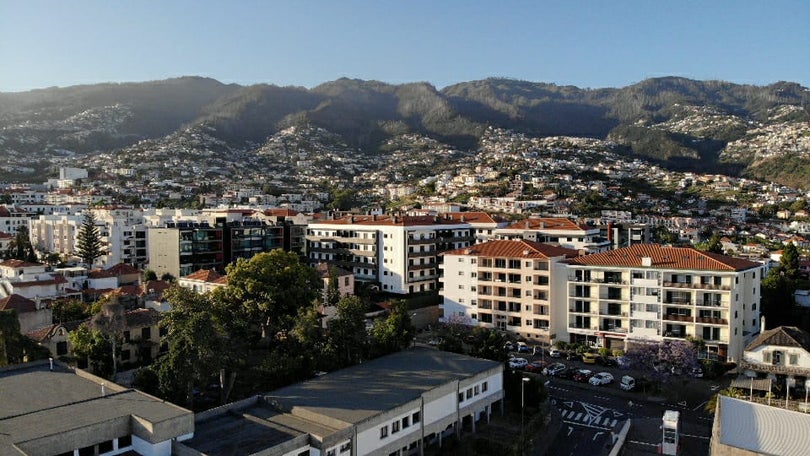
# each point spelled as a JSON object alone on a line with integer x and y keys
{"x": 628, "y": 383}
{"x": 554, "y": 369}
{"x": 537, "y": 350}
{"x": 573, "y": 356}
{"x": 608, "y": 361}
{"x": 518, "y": 363}
{"x": 509, "y": 347}
{"x": 602, "y": 378}
{"x": 523, "y": 348}
{"x": 535, "y": 366}
{"x": 554, "y": 353}
{"x": 566, "y": 373}
{"x": 696, "y": 372}
{"x": 582, "y": 375}
{"x": 589, "y": 358}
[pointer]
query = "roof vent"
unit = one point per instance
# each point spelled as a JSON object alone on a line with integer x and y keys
{"x": 646, "y": 261}
{"x": 526, "y": 252}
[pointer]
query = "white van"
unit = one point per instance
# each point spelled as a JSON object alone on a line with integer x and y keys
{"x": 627, "y": 383}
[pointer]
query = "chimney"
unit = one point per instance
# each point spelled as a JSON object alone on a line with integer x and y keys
{"x": 762, "y": 324}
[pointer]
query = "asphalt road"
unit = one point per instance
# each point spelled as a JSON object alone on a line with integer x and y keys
{"x": 590, "y": 414}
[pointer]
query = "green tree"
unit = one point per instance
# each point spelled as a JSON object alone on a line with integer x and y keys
{"x": 396, "y": 331}
{"x": 332, "y": 288}
{"x": 111, "y": 323}
{"x": 70, "y": 310}
{"x": 789, "y": 263}
{"x": 714, "y": 245}
{"x": 149, "y": 275}
{"x": 273, "y": 286}
{"x": 88, "y": 240}
{"x": 662, "y": 235}
{"x": 347, "y": 332}
{"x": 488, "y": 344}
{"x": 92, "y": 346}
{"x": 20, "y": 247}
{"x": 711, "y": 405}
{"x": 308, "y": 330}
{"x": 196, "y": 339}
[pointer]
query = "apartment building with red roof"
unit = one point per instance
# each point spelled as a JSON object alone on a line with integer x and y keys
{"x": 559, "y": 231}
{"x": 652, "y": 292}
{"x": 505, "y": 284}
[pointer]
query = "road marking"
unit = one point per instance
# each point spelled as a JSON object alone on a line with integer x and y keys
{"x": 597, "y": 435}
{"x": 617, "y": 414}
{"x": 715, "y": 387}
{"x": 642, "y": 443}
{"x": 696, "y": 436}
{"x": 554, "y": 402}
{"x": 613, "y": 423}
{"x": 568, "y": 404}
{"x": 578, "y": 416}
{"x": 604, "y": 397}
{"x": 699, "y": 406}
{"x": 586, "y": 425}
{"x": 683, "y": 404}
{"x": 570, "y": 430}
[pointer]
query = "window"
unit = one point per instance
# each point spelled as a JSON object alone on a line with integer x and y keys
{"x": 475, "y": 390}
{"x": 346, "y": 447}
{"x": 766, "y": 357}
{"x": 125, "y": 441}
{"x": 406, "y": 422}
{"x": 460, "y": 397}
{"x": 395, "y": 427}
{"x": 146, "y": 333}
{"x": 461, "y": 273}
{"x": 416, "y": 417}
{"x": 460, "y": 286}
{"x": 483, "y": 387}
{"x": 469, "y": 393}
{"x": 61, "y": 348}
{"x": 126, "y": 336}
{"x": 793, "y": 359}
{"x": 460, "y": 259}
{"x": 384, "y": 432}
{"x": 330, "y": 452}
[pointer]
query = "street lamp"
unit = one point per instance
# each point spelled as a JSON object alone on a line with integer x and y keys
{"x": 522, "y": 406}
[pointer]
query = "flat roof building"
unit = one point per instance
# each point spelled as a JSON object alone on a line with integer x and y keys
{"x": 65, "y": 412}
{"x": 390, "y": 405}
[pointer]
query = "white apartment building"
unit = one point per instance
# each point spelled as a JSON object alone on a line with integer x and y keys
{"x": 122, "y": 231}
{"x": 12, "y": 218}
{"x": 507, "y": 285}
{"x": 398, "y": 252}
{"x": 559, "y": 231}
{"x": 650, "y": 292}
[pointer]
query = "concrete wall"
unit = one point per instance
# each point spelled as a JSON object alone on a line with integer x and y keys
{"x": 164, "y": 251}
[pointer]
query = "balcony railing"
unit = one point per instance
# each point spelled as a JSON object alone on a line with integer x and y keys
{"x": 675, "y": 317}
{"x": 702, "y": 286}
{"x": 709, "y": 303}
{"x": 711, "y": 321}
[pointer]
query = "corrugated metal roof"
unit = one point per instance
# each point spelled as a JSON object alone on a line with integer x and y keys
{"x": 762, "y": 428}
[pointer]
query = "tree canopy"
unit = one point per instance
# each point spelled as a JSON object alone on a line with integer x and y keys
{"x": 88, "y": 240}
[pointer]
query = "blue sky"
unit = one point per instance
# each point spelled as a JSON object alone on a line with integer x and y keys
{"x": 595, "y": 43}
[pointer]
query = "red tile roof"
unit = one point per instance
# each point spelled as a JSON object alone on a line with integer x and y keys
{"x": 324, "y": 269}
{"x": 100, "y": 274}
{"x": 665, "y": 257}
{"x": 514, "y": 249}
{"x": 141, "y": 318}
{"x": 44, "y": 334}
{"x": 280, "y": 212}
{"x": 122, "y": 269}
{"x": 546, "y": 224}
{"x": 204, "y": 275}
{"x": 450, "y": 218}
{"x": 18, "y": 264}
{"x": 19, "y": 303}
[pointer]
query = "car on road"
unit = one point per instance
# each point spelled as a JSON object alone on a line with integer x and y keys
{"x": 602, "y": 378}
{"x": 628, "y": 383}
{"x": 566, "y": 373}
{"x": 554, "y": 353}
{"x": 535, "y": 366}
{"x": 582, "y": 375}
{"x": 608, "y": 361}
{"x": 589, "y": 358}
{"x": 554, "y": 369}
{"x": 518, "y": 363}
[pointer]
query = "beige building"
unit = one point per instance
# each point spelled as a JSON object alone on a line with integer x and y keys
{"x": 508, "y": 285}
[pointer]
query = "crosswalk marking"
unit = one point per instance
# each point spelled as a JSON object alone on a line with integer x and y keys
{"x": 613, "y": 423}
{"x": 578, "y": 415}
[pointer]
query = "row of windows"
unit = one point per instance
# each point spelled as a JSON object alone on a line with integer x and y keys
{"x": 404, "y": 423}
{"x": 473, "y": 391}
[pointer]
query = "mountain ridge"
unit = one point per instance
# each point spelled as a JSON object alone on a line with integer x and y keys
{"x": 678, "y": 122}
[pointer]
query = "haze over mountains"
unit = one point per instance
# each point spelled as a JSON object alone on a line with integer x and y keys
{"x": 757, "y": 131}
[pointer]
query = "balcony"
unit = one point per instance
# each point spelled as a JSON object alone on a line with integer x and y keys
{"x": 709, "y": 303}
{"x": 614, "y": 329}
{"x": 678, "y": 301}
{"x": 700, "y": 286}
{"x": 421, "y": 254}
{"x": 416, "y": 267}
{"x": 711, "y": 321}
{"x": 675, "y": 317}
{"x": 423, "y": 241}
